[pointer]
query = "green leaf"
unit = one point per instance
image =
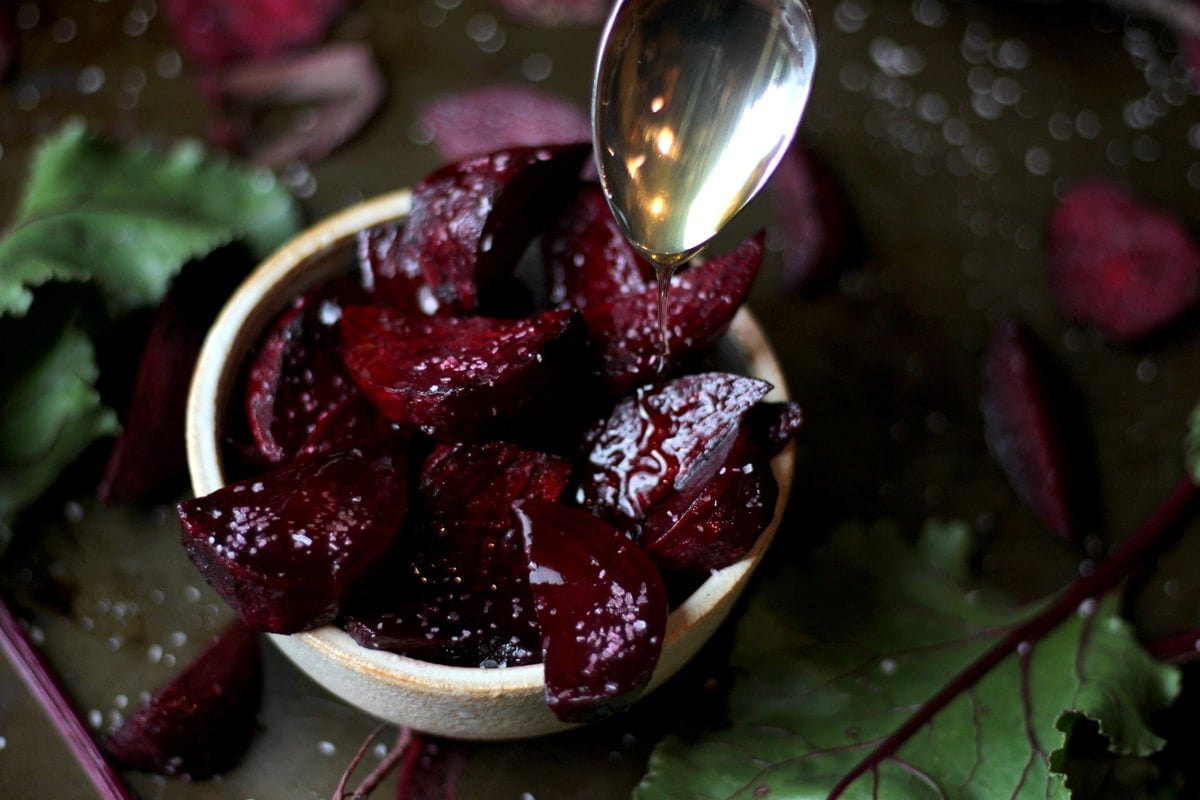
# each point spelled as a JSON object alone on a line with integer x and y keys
{"x": 835, "y": 656}
{"x": 128, "y": 218}
{"x": 48, "y": 416}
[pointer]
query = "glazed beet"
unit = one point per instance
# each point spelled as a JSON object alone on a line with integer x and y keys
{"x": 460, "y": 593}
{"x": 660, "y": 439}
{"x": 201, "y": 722}
{"x": 287, "y": 547}
{"x": 296, "y": 375}
{"x": 702, "y": 301}
{"x": 457, "y": 377}
{"x": 602, "y": 607}
{"x": 469, "y": 225}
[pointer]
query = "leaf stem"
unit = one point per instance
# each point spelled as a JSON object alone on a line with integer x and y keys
{"x": 1107, "y": 575}
{"x": 39, "y": 678}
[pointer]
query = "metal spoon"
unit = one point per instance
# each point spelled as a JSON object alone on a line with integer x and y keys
{"x": 694, "y": 103}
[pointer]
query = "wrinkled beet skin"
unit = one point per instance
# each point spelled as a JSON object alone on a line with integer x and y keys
{"x": 587, "y": 259}
{"x": 470, "y": 223}
{"x": 461, "y": 594}
{"x": 716, "y": 518}
{"x": 702, "y": 301}
{"x": 296, "y": 375}
{"x": 602, "y": 607}
{"x": 1025, "y": 429}
{"x": 286, "y": 548}
{"x": 200, "y": 723}
{"x": 1123, "y": 268}
{"x": 659, "y": 438}
{"x": 457, "y": 377}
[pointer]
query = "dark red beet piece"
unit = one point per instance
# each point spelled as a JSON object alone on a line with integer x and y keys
{"x": 470, "y": 223}
{"x": 490, "y": 118}
{"x": 657, "y": 439}
{"x": 286, "y": 548}
{"x": 1122, "y": 267}
{"x": 463, "y": 596}
{"x": 602, "y": 607}
{"x": 814, "y": 219}
{"x": 200, "y": 723}
{"x": 702, "y": 301}
{"x": 455, "y": 377}
{"x": 1024, "y": 429}
{"x": 352, "y": 423}
{"x": 587, "y": 258}
{"x": 715, "y": 519}
{"x": 296, "y": 374}
{"x": 214, "y": 33}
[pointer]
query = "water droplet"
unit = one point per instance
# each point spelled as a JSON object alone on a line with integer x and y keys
{"x": 1038, "y": 161}
{"x": 63, "y": 30}
{"x": 1147, "y": 370}
{"x": 326, "y": 748}
{"x": 888, "y": 666}
{"x": 537, "y": 66}
{"x": 90, "y": 80}
{"x": 169, "y": 64}
{"x": 850, "y": 15}
{"x": 930, "y": 13}
{"x": 27, "y": 16}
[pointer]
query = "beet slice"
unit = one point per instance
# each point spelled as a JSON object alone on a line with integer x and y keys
{"x": 470, "y": 223}
{"x": 1026, "y": 417}
{"x": 701, "y": 303}
{"x": 458, "y": 377}
{"x": 462, "y": 594}
{"x": 657, "y": 439}
{"x": 602, "y": 607}
{"x": 201, "y": 722}
{"x": 296, "y": 374}
{"x": 814, "y": 219}
{"x": 716, "y": 518}
{"x": 215, "y": 33}
{"x": 1119, "y": 266}
{"x": 286, "y": 548}
{"x": 490, "y": 118}
{"x": 587, "y": 259}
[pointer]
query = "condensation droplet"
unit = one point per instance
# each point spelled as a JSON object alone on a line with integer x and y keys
{"x": 326, "y": 748}
{"x": 169, "y": 64}
{"x": 1087, "y": 124}
{"x": 27, "y": 16}
{"x": 537, "y": 66}
{"x": 90, "y": 80}
{"x": 63, "y": 30}
{"x": 1038, "y": 161}
{"x": 1147, "y": 370}
{"x": 930, "y": 13}
{"x": 854, "y": 77}
{"x": 1171, "y": 587}
{"x": 888, "y": 666}
{"x": 850, "y": 15}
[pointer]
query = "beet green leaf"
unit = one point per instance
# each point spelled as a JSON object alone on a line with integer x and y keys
{"x": 836, "y": 656}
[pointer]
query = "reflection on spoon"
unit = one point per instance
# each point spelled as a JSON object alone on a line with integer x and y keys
{"x": 694, "y": 103}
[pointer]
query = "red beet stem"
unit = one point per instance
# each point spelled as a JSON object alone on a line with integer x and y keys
{"x": 1106, "y": 577}
{"x": 1178, "y": 648}
{"x": 39, "y": 678}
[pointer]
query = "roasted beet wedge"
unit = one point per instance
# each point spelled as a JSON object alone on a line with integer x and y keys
{"x": 458, "y": 377}
{"x": 286, "y": 548}
{"x": 602, "y": 607}
{"x": 659, "y": 440}
{"x": 1122, "y": 267}
{"x": 587, "y": 259}
{"x": 469, "y": 225}
{"x": 200, "y": 723}
{"x": 715, "y": 519}
{"x": 461, "y": 595}
{"x": 701, "y": 303}
{"x": 1032, "y": 428}
{"x": 296, "y": 375}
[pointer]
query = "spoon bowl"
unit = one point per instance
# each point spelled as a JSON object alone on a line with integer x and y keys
{"x": 694, "y": 103}
{"x": 458, "y": 702}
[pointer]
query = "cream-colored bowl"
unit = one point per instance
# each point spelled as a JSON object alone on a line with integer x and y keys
{"x": 460, "y": 702}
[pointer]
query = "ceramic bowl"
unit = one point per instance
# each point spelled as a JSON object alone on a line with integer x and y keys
{"x": 459, "y": 702}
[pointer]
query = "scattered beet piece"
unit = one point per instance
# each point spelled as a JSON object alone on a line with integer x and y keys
{"x": 200, "y": 723}
{"x": 470, "y": 223}
{"x": 150, "y": 453}
{"x": 701, "y": 303}
{"x": 214, "y": 33}
{"x": 601, "y": 605}
{"x": 658, "y": 438}
{"x": 490, "y": 118}
{"x": 1025, "y": 428}
{"x": 587, "y": 258}
{"x": 455, "y": 377}
{"x": 814, "y": 219}
{"x": 296, "y": 374}
{"x": 715, "y": 519}
{"x": 556, "y": 13}
{"x": 1124, "y": 268}
{"x": 286, "y": 548}
{"x": 339, "y": 84}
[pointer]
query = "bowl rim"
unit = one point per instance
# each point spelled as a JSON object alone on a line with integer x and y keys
{"x": 261, "y": 297}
